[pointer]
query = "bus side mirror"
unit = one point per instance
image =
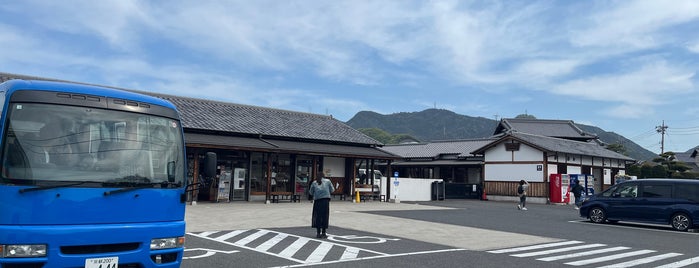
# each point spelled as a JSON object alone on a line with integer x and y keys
{"x": 210, "y": 165}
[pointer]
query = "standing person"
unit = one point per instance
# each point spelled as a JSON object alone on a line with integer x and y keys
{"x": 577, "y": 190}
{"x": 321, "y": 190}
{"x": 522, "y": 192}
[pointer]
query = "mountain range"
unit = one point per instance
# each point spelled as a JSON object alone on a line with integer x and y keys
{"x": 439, "y": 124}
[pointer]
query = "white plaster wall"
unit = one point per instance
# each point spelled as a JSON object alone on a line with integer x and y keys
{"x": 553, "y": 169}
{"x": 513, "y": 172}
{"x": 497, "y": 153}
{"x": 525, "y": 153}
{"x": 574, "y": 170}
{"x": 572, "y": 159}
{"x": 598, "y": 161}
{"x": 411, "y": 189}
{"x": 587, "y": 160}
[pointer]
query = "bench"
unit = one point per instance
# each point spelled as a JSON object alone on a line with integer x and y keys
{"x": 285, "y": 196}
{"x": 364, "y": 196}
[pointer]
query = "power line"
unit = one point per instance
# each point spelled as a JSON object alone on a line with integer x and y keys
{"x": 697, "y": 128}
{"x": 645, "y": 134}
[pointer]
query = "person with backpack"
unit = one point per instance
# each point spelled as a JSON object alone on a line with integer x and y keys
{"x": 522, "y": 192}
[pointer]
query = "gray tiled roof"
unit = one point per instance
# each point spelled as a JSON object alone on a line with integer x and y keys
{"x": 689, "y": 158}
{"x": 433, "y": 150}
{"x": 249, "y": 143}
{"x": 230, "y": 117}
{"x": 550, "y": 144}
{"x": 209, "y": 115}
{"x": 543, "y": 127}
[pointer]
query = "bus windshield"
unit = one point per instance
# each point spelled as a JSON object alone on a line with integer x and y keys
{"x": 52, "y": 145}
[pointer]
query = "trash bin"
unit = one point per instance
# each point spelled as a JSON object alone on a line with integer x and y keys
{"x": 438, "y": 190}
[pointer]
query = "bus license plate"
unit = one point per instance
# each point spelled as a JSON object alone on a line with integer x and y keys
{"x": 108, "y": 262}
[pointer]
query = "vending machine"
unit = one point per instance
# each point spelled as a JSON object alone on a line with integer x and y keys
{"x": 559, "y": 184}
{"x": 587, "y": 181}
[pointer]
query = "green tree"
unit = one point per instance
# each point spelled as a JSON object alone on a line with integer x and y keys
{"x": 525, "y": 116}
{"x": 673, "y": 168}
{"x": 385, "y": 137}
{"x": 659, "y": 171}
{"x": 634, "y": 170}
{"x": 377, "y": 134}
{"x": 617, "y": 147}
{"x": 646, "y": 171}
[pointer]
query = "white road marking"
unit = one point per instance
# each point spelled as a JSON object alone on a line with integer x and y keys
{"x": 642, "y": 261}
{"x": 681, "y": 263}
{"x": 228, "y": 235}
{"x": 319, "y": 253}
{"x": 610, "y": 257}
{"x": 252, "y": 237}
{"x": 582, "y": 254}
{"x": 289, "y": 251}
{"x": 350, "y": 253}
{"x": 558, "y": 250}
{"x": 377, "y": 257}
{"x": 270, "y": 243}
{"x": 207, "y": 253}
{"x": 540, "y": 246}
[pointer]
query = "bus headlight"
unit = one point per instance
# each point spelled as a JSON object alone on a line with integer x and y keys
{"x": 165, "y": 243}
{"x": 23, "y": 251}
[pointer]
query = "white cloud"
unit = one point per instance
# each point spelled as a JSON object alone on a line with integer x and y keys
{"x": 629, "y": 111}
{"x": 652, "y": 84}
{"x": 694, "y": 47}
{"x": 546, "y": 69}
{"x": 634, "y": 24}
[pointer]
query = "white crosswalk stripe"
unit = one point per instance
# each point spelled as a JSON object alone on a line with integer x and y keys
{"x": 507, "y": 250}
{"x": 295, "y": 247}
{"x": 682, "y": 263}
{"x": 642, "y": 261}
{"x": 610, "y": 257}
{"x": 550, "y": 251}
{"x": 582, "y": 254}
{"x": 597, "y": 254}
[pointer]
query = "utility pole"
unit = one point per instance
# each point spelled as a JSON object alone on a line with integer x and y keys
{"x": 661, "y": 129}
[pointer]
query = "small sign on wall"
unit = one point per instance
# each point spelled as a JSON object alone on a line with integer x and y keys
{"x": 539, "y": 167}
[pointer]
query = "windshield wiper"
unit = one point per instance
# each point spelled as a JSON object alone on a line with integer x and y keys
{"x": 24, "y": 190}
{"x": 163, "y": 185}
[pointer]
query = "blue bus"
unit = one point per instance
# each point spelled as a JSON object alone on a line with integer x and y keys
{"x": 90, "y": 177}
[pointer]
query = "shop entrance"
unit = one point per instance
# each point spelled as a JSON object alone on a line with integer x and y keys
{"x": 232, "y": 172}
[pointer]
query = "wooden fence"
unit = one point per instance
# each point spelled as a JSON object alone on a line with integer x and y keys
{"x": 509, "y": 188}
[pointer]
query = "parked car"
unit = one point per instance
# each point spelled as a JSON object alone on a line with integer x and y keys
{"x": 661, "y": 201}
{"x": 369, "y": 184}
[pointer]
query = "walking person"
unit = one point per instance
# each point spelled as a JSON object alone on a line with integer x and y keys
{"x": 522, "y": 192}
{"x": 321, "y": 190}
{"x": 577, "y": 190}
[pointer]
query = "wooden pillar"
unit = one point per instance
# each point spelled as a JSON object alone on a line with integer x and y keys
{"x": 269, "y": 176}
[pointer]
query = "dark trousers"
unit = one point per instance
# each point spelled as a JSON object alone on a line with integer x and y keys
{"x": 321, "y": 213}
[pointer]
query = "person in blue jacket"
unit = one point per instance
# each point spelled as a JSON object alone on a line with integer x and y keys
{"x": 321, "y": 189}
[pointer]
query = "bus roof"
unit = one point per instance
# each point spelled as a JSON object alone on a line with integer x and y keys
{"x": 17, "y": 84}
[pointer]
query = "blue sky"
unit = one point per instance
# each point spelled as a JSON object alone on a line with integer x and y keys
{"x": 624, "y": 66}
